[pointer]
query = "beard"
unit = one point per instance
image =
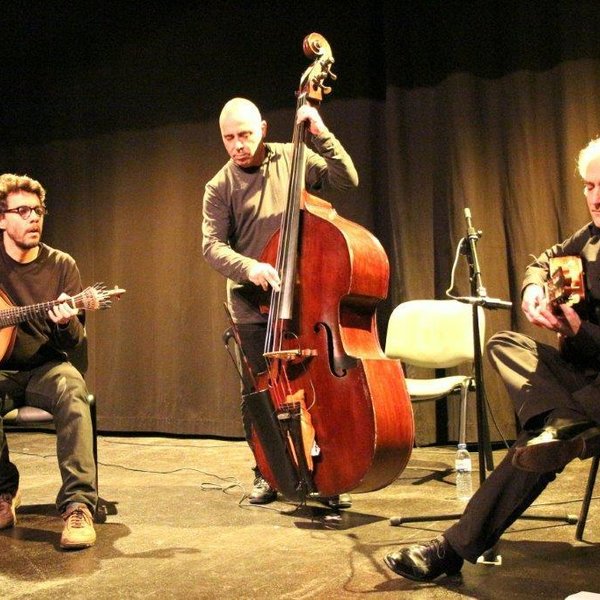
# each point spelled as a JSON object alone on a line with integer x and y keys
{"x": 27, "y": 245}
{"x": 23, "y": 244}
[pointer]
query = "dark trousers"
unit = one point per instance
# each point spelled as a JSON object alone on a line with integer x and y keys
{"x": 252, "y": 337}
{"x": 58, "y": 388}
{"x": 541, "y": 384}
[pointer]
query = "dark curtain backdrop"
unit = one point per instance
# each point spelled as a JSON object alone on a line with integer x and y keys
{"x": 443, "y": 106}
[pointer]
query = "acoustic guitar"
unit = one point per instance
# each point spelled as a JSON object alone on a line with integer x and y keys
{"x": 94, "y": 297}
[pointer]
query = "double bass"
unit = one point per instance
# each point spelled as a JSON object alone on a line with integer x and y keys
{"x": 331, "y": 414}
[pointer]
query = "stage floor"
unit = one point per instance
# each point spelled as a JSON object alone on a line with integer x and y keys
{"x": 178, "y": 526}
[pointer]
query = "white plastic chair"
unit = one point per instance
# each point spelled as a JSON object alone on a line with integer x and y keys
{"x": 436, "y": 334}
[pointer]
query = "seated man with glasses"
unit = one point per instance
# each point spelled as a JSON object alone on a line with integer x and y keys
{"x": 34, "y": 365}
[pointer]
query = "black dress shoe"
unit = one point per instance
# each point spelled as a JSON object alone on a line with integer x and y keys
{"x": 556, "y": 445}
{"x": 262, "y": 492}
{"x": 425, "y": 562}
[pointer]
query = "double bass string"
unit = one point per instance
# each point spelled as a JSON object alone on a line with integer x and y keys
{"x": 282, "y": 302}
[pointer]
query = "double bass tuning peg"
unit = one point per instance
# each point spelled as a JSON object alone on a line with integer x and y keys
{"x": 329, "y": 72}
{"x": 325, "y": 89}
{"x": 319, "y": 81}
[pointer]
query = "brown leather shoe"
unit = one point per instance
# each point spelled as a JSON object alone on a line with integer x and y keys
{"x": 78, "y": 531}
{"x": 8, "y": 506}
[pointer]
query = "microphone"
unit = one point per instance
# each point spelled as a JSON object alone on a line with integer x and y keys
{"x": 471, "y": 231}
{"x": 484, "y": 301}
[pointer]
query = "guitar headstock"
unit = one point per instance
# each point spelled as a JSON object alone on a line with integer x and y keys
{"x": 97, "y": 297}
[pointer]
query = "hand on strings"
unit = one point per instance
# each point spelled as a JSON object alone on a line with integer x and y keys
{"x": 566, "y": 324}
{"x": 569, "y": 322}
{"x": 311, "y": 115}
{"x": 62, "y": 313}
{"x": 265, "y": 275}
{"x": 535, "y": 306}
{"x": 536, "y": 309}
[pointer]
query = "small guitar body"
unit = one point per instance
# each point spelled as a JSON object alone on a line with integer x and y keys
{"x": 7, "y": 334}
{"x": 95, "y": 297}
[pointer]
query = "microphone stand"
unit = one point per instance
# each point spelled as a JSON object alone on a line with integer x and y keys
{"x": 478, "y": 298}
{"x": 478, "y": 292}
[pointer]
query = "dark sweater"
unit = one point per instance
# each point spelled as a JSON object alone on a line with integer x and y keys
{"x": 39, "y": 340}
{"x": 242, "y": 209}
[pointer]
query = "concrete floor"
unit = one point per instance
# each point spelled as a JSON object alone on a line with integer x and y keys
{"x": 179, "y": 527}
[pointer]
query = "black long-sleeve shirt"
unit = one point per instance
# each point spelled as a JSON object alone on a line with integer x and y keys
{"x": 39, "y": 340}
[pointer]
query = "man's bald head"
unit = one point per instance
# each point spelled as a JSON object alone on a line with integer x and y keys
{"x": 243, "y": 131}
{"x": 240, "y": 109}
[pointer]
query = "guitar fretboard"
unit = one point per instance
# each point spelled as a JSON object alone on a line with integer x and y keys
{"x": 18, "y": 314}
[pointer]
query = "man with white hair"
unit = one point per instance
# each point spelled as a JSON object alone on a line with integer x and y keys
{"x": 556, "y": 393}
{"x": 242, "y": 209}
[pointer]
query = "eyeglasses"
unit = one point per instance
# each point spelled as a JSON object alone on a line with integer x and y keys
{"x": 25, "y": 211}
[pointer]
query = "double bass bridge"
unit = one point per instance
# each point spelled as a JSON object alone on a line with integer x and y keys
{"x": 290, "y": 355}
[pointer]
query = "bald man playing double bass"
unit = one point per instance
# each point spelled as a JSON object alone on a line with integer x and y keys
{"x": 242, "y": 209}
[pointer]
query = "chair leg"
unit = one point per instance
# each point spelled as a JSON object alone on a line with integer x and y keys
{"x": 100, "y": 512}
{"x": 585, "y": 505}
{"x": 462, "y": 437}
{"x": 462, "y": 425}
{"x": 92, "y": 402}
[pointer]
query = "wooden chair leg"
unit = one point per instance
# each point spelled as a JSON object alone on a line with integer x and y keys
{"x": 585, "y": 505}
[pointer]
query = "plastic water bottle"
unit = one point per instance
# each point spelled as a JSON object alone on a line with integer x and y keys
{"x": 462, "y": 465}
